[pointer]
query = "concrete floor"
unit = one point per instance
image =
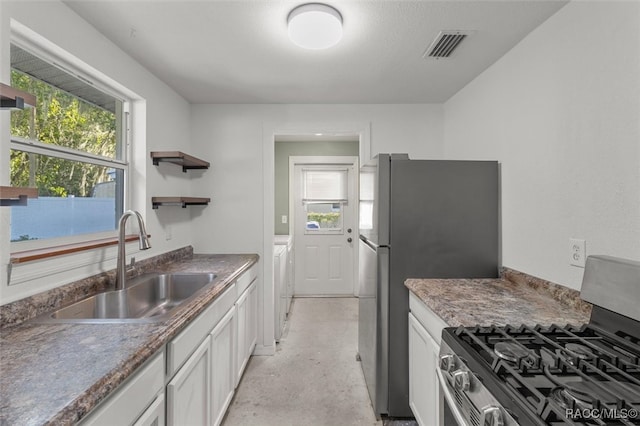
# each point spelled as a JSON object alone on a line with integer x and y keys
{"x": 314, "y": 378}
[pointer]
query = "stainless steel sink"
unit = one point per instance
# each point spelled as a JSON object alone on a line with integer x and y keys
{"x": 148, "y": 298}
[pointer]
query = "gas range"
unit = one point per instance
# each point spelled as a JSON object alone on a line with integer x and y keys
{"x": 552, "y": 374}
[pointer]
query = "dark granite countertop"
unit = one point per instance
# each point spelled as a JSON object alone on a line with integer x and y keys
{"x": 514, "y": 299}
{"x": 57, "y": 373}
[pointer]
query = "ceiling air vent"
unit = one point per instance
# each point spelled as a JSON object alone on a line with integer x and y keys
{"x": 445, "y": 43}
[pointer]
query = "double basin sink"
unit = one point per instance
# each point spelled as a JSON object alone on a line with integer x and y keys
{"x": 148, "y": 298}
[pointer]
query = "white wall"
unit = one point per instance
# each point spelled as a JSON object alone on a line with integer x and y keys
{"x": 561, "y": 112}
{"x": 162, "y": 123}
{"x": 231, "y": 137}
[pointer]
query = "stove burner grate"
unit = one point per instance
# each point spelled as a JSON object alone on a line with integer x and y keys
{"x": 552, "y": 369}
{"x": 510, "y": 351}
{"x": 579, "y": 351}
{"x": 568, "y": 399}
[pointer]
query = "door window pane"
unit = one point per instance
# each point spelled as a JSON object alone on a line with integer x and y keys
{"x": 323, "y": 217}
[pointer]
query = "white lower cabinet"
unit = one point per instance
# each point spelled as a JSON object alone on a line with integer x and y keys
{"x": 188, "y": 393}
{"x": 223, "y": 373}
{"x": 425, "y": 330}
{"x": 252, "y": 319}
{"x": 423, "y": 382}
{"x": 247, "y": 310}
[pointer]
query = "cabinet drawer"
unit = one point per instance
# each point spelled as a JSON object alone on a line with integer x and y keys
{"x": 425, "y": 316}
{"x": 247, "y": 278}
{"x": 183, "y": 345}
{"x": 131, "y": 399}
{"x": 154, "y": 415}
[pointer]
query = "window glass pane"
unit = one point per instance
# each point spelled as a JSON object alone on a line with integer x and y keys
{"x": 77, "y": 194}
{"x": 366, "y": 215}
{"x": 323, "y": 216}
{"x": 63, "y": 119}
{"x": 366, "y": 185}
{"x": 73, "y": 197}
{"x": 367, "y": 190}
{"x": 325, "y": 185}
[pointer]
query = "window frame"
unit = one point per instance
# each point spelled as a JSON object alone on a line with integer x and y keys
{"x": 57, "y": 57}
{"x": 324, "y": 200}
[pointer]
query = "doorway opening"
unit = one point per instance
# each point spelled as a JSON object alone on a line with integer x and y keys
{"x": 325, "y": 167}
{"x": 304, "y": 138}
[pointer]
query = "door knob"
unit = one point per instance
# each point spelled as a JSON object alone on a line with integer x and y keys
{"x": 349, "y": 240}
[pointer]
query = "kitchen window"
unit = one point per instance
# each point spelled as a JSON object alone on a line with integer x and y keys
{"x": 72, "y": 147}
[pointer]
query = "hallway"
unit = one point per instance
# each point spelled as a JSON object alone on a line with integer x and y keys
{"x": 314, "y": 378}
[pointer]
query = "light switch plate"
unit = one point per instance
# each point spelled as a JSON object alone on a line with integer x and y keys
{"x": 577, "y": 252}
{"x": 284, "y": 218}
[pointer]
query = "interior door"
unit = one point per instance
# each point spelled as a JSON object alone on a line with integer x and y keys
{"x": 324, "y": 211}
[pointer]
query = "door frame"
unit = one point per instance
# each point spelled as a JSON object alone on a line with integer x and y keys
{"x": 270, "y": 130}
{"x": 338, "y": 160}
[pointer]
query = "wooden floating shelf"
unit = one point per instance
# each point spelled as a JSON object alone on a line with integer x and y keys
{"x": 180, "y": 158}
{"x": 16, "y": 196}
{"x": 12, "y": 98}
{"x": 179, "y": 201}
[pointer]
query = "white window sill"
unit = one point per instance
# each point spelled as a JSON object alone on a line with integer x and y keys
{"x": 44, "y": 253}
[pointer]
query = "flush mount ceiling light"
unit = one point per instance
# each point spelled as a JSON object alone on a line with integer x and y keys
{"x": 315, "y": 26}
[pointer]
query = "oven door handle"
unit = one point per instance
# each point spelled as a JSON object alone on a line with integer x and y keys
{"x": 450, "y": 400}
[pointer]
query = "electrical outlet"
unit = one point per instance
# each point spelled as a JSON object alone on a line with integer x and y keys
{"x": 284, "y": 218}
{"x": 577, "y": 252}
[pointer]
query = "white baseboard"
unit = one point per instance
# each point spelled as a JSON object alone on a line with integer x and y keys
{"x": 261, "y": 350}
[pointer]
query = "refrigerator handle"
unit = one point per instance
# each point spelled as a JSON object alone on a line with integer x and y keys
{"x": 369, "y": 243}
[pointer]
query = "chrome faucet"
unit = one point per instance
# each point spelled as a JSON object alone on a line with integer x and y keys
{"x": 121, "y": 266}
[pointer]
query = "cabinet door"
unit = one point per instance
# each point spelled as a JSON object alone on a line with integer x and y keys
{"x": 188, "y": 393}
{"x": 242, "y": 311}
{"x": 154, "y": 415}
{"x": 252, "y": 318}
{"x": 223, "y": 372}
{"x": 247, "y": 311}
{"x": 423, "y": 381}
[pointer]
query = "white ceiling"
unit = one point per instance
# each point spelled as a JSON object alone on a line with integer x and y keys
{"x": 213, "y": 51}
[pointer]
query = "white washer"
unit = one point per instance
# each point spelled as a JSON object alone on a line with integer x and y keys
{"x": 287, "y": 240}
{"x": 280, "y": 288}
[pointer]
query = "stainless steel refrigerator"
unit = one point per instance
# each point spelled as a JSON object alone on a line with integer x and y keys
{"x": 418, "y": 219}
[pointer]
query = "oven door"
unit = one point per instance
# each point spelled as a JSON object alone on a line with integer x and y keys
{"x": 450, "y": 413}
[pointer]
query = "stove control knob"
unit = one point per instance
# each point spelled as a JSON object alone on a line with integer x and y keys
{"x": 492, "y": 416}
{"x": 447, "y": 362}
{"x": 461, "y": 380}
